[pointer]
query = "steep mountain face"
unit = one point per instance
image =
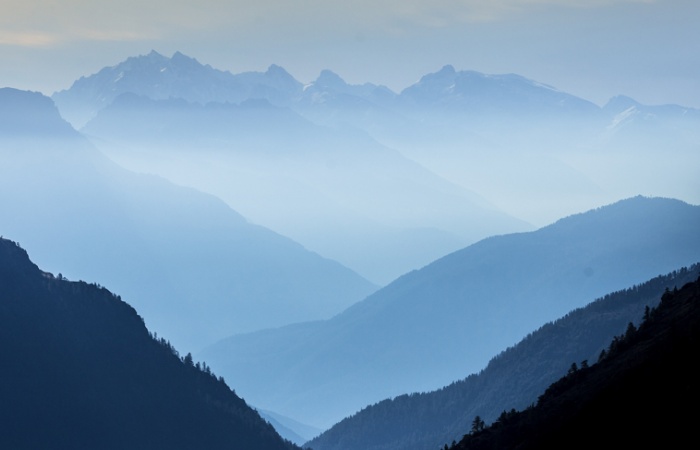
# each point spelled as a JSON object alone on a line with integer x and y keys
{"x": 635, "y": 397}
{"x": 159, "y": 77}
{"x": 195, "y": 269}
{"x": 513, "y": 379}
{"x": 435, "y": 325}
{"x": 81, "y": 371}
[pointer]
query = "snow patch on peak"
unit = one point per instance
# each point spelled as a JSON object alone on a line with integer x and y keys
{"x": 537, "y": 84}
{"x": 620, "y": 103}
{"x": 623, "y": 117}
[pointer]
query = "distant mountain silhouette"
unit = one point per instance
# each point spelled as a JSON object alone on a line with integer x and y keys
{"x": 640, "y": 127}
{"x": 513, "y": 379}
{"x": 337, "y": 192}
{"x": 196, "y": 270}
{"x": 438, "y": 324}
{"x": 635, "y": 397}
{"x": 180, "y": 76}
{"x": 158, "y": 77}
{"x": 290, "y": 429}
{"x": 535, "y": 152}
{"x": 510, "y": 94}
{"x": 81, "y": 371}
{"x": 30, "y": 115}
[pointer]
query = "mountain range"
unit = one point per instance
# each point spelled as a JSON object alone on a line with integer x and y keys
{"x": 82, "y": 371}
{"x": 339, "y": 193}
{"x": 194, "y": 268}
{"x": 513, "y": 379}
{"x": 438, "y": 324}
{"x": 627, "y": 399}
{"x": 250, "y": 218}
{"x": 384, "y": 182}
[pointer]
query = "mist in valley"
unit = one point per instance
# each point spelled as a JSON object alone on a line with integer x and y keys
{"x": 324, "y": 241}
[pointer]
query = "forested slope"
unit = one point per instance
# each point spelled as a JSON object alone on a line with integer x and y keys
{"x": 512, "y": 379}
{"x": 81, "y": 371}
{"x": 640, "y": 395}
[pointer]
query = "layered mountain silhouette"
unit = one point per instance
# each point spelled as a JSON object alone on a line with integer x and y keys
{"x": 285, "y": 160}
{"x": 196, "y": 270}
{"x": 81, "y": 371}
{"x": 633, "y": 397}
{"x": 470, "y": 91}
{"x": 159, "y": 77}
{"x": 510, "y": 144}
{"x": 513, "y": 379}
{"x": 438, "y": 324}
{"x": 339, "y": 193}
{"x": 383, "y": 182}
{"x": 540, "y": 153}
{"x": 290, "y": 429}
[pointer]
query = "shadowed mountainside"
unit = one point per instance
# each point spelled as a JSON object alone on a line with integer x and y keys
{"x": 435, "y": 325}
{"x": 635, "y": 397}
{"x": 81, "y": 371}
{"x": 512, "y": 379}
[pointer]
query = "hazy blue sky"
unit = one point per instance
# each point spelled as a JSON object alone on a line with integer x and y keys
{"x": 648, "y": 49}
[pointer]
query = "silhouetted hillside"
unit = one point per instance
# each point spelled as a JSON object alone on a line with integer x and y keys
{"x": 195, "y": 269}
{"x": 81, "y": 371}
{"x": 438, "y": 324}
{"x": 641, "y": 394}
{"x": 513, "y": 379}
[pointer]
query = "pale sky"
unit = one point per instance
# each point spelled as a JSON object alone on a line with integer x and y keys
{"x": 647, "y": 49}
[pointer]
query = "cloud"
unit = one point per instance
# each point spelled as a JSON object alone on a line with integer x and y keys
{"x": 27, "y": 39}
{"x": 67, "y": 20}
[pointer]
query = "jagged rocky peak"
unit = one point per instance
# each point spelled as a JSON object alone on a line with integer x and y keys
{"x": 447, "y": 69}
{"x": 183, "y": 61}
{"x": 155, "y": 56}
{"x": 447, "y": 72}
{"x": 277, "y": 76}
{"x": 329, "y": 79}
{"x": 277, "y": 72}
{"x": 436, "y": 80}
{"x": 136, "y": 62}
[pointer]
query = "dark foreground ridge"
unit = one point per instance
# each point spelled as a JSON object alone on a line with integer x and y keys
{"x": 513, "y": 379}
{"x": 639, "y": 395}
{"x": 81, "y": 371}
